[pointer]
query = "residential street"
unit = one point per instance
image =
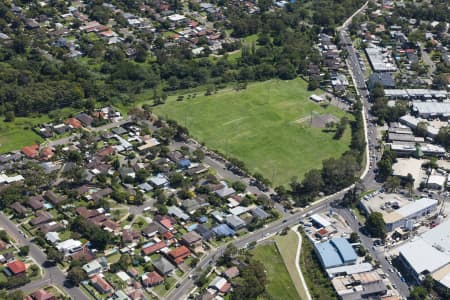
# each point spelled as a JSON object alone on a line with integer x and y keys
{"x": 52, "y": 274}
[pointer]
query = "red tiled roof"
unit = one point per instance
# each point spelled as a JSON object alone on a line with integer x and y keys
{"x": 47, "y": 152}
{"x": 179, "y": 254}
{"x": 42, "y": 295}
{"x": 86, "y": 213}
{"x": 153, "y": 278}
{"x": 166, "y": 222}
{"x": 101, "y": 283}
{"x": 153, "y": 248}
{"x": 17, "y": 267}
{"x": 73, "y": 122}
{"x": 105, "y": 151}
{"x": 31, "y": 151}
{"x": 322, "y": 231}
{"x": 168, "y": 235}
{"x": 225, "y": 288}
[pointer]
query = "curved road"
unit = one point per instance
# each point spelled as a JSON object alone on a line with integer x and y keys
{"x": 51, "y": 273}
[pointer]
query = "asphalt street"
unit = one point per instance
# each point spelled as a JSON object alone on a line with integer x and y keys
{"x": 52, "y": 274}
{"x": 377, "y": 253}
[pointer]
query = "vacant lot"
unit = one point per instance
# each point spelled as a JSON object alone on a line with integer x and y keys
{"x": 279, "y": 284}
{"x": 15, "y": 135}
{"x": 260, "y": 126}
{"x": 19, "y": 133}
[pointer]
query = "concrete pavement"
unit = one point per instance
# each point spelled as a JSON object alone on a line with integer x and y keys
{"x": 297, "y": 262}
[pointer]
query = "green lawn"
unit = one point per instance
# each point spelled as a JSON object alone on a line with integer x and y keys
{"x": 15, "y": 135}
{"x": 279, "y": 283}
{"x": 287, "y": 246}
{"x": 19, "y": 133}
{"x": 260, "y": 125}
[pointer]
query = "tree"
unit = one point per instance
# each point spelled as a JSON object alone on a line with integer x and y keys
{"x": 313, "y": 85}
{"x": 76, "y": 275}
{"x": 265, "y": 201}
{"x": 15, "y": 295}
{"x": 194, "y": 262}
{"x": 350, "y": 198}
{"x": 176, "y": 180}
{"x": 55, "y": 255}
{"x": 199, "y": 154}
{"x": 9, "y": 116}
{"x": 313, "y": 182}
{"x": 421, "y": 129}
{"x": 4, "y": 236}
{"x": 239, "y": 186}
{"x": 392, "y": 183}
{"x": 354, "y": 237}
{"x": 418, "y": 293}
{"x": 375, "y": 225}
{"x": 384, "y": 168}
{"x": 24, "y": 250}
{"x": 340, "y": 129}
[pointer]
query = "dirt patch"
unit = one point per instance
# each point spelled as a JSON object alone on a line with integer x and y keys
{"x": 317, "y": 121}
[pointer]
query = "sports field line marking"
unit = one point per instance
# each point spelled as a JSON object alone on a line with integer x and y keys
{"x": 233, "y": 121}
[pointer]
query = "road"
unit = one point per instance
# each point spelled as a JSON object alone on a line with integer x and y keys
{"x": 374, "y": 155}
{"x": 52, "y": 274}
{"x": 367, "y": 177}
{"x": 377, "y": 252}
{"x": 428, "y": 61}
{"x": 66, "y": 140}
{"x": 186, "y": 284}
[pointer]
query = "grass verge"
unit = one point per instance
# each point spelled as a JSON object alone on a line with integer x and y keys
{"x": 318, "y": 283}
{"x": 287, "y": 246}
{"x": 280, "y": 285}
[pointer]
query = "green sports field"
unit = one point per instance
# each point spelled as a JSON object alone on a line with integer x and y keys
{"x": 267, "y": 126}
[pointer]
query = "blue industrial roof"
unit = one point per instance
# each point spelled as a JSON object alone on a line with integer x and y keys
{"x": 345, "y": 250}
{"x": 328, "y": 255}
{"x": 223, "y": 230}
{"x": 336, "y": 252}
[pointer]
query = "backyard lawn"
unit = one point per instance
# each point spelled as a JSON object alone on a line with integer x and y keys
{"x": 15, "y": 135}
{"x": 279, "y": 283}
{"x": 267, "y": 126}
{"x": 19, "y": 133}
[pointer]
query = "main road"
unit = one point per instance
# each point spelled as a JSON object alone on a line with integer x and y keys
{"x": 367, "y": 177}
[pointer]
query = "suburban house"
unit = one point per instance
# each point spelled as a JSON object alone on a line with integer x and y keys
{"x": 179, "y": 254}
{"x": 163, "y": 266}
{"x": 152, "y": 279}
{"x": 193, "y": 240}
{"x": 16, "y": 267}
{"x": 101, "y": 285}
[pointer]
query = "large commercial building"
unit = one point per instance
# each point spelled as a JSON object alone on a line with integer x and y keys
{"x": 415, "y": 94}
{"x": 367, "y": 285}
{"x": 412, "y": 211}
{"x": 335, "y": 252}
{"x": 412, "y": 123}
{"x": 431, "y": 109}
{"x": 381, "y": 61}
{"x": 418, "y": 150}
{"x": 429, "y": 254}
{"x": 397, "y": 210}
